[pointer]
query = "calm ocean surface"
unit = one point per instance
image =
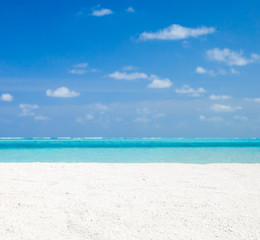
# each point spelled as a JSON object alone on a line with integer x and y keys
{"x": 149, "y": 150}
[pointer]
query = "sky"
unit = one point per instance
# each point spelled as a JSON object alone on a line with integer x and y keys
{"x": 130, "y": 68}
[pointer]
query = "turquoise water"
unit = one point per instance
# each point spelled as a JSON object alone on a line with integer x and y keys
{"x": 199, "y": 151}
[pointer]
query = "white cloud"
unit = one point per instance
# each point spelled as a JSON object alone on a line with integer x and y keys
{"x": 201, "y": 70}
{"x": 160, "y": 83}
{"x": 129, "y": 68}
{"x": 89, "y": 117}
{"x": 94, "y": 70}
{"x": 6, "y": 97}
{"x": 40, "y": 118}
{"x": 255, "y": 56}
{"x": 98, "y": 112}
{"x": 186, "y": 89}
{"x": 77, "y": 71}
{"x": 234, "y": 71}
{"x": 241, "y": 118}
{"x": 61, "y": 92}
{"x": 176, "y": 32}
{"x": 210, "y": 119}
{"x": 141, "y": 120}
{"x": 231, "y": 58}
{"x": 130, "y": 9}
{"x": 257, "y": 100}
{"x": 215, "y": 119}
{"x": 219, "y": 97}
{"x": 101, "y": 12}
{"x": 156, "y": 82}
{"x": 128, "y": 76}
{"x": 81, "y": 65}
{"x": 118, "y": 119}
{"x": 100, "y": 107}
{"x": 28, "y": 109}
{"x": 146, "y": 115}
{"x": 202, "y": 117}
{"x": 143, "y": 110}
{"x": 159, "y": 115}
{"x": 79, "y": 68}
{"x": 224, "y": 108}
{"x": 79, "y": 120}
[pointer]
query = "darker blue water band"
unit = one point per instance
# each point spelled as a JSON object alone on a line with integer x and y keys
{"x": 126, "y": 143}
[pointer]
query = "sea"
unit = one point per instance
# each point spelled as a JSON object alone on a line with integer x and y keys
{"x": 129, "y": 150}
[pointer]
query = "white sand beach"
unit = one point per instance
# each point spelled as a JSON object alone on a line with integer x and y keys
{"x": 129, "y": 201}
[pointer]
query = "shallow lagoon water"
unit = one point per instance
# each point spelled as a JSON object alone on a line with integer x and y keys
{"x": 200, "y": 151}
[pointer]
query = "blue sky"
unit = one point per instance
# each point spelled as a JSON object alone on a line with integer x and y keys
{"x": 130, "y": 68}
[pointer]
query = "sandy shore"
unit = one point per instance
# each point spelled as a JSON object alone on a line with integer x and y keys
{"x": 129, "y": 201}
